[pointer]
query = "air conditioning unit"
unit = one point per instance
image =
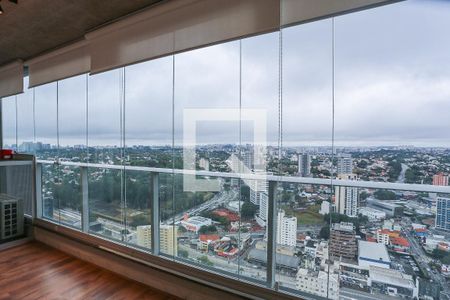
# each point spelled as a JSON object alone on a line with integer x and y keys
{"x": 11, "y": 217}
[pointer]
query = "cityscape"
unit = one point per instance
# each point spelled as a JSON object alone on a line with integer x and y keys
{"x": 335, "y": 242}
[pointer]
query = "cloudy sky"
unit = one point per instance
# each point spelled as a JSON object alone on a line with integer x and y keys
{"x": 391, "y": 86}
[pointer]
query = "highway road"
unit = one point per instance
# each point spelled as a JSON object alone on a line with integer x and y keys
{"x": 423, "y": 259}
{"x": 218, "y": 199}
{"x": 401, "y": 176}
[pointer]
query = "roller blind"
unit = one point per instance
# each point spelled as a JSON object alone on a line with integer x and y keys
{"x": 11, "y": 79}
{"x": 180, "y": 25}
{"x": 298, "y": 11}
{"x": 176, "y": 26}
{"x": 59, "y": 64}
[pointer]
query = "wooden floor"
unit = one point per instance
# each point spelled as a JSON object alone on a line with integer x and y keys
{"x": 36, "y": 271}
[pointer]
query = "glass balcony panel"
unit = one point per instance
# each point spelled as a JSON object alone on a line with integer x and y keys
{"x": 307, "y": 101}
{"x": 198, "y": 101}
{"x": 258, "y": 152}
{"x": 46, "y": 118}
{"x": 105, "y": 118}
{"x": 148, "y": 143}
{"x": 139, "y": 197}
{"x": 69, "y": 194}
{"x": 148, "y": 113}
{"x": 106, "y": 206}
{"x": 207, "y": 98}
{"x": 72, "y": 115}
{"x": 253, "y": 207}
{"x": 391, "y": 91}
{"x": 169, "y": 233}
{"x": 9, "y": 122}
{"x": 207, "y": 225}
{"x": 301, "y": 240}
{"x": 50, "y": 197}
{"x": 25, "y": 120}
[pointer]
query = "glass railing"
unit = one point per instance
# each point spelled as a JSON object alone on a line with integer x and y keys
{"x": 311, "y": 237}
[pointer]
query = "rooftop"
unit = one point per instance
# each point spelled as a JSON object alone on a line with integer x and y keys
{"x": 400, "y": 241}
{"x": 375, "y": 252}
{"x": 390, "y": 276}
{"x": 282, "y": 260}
{"x": 344, "y": 226}
{"x": 385, "y": 203}
{"x": 209, "y": 237}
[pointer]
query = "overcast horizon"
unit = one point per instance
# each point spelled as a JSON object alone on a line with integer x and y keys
{"x": 391, "y": 88}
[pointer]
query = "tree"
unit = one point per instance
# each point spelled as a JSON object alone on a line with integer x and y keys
{"x": 325, "y": 173}
{"x": 413, "y": 175}
{"x": 395, "y": 170}
{"x": 338, "y": 218}
{"x": 385, "y": 195}
{"x": 245, "y": 192}
{"x": 439, "y": 254}
{"x": 207, "y": 229}
{"x": 139, "y": 220}
{"x": 248, "y": 209}
{"x": 362, "y": 164}
{"x": 446, "y": 259}
{"x": 205, "y": 260}
{"x": 183, "y": 253}
{"x": 285, "y": 196}
{"x": 325, "y": 232}
{"x": 210, "y": 215}
{"x": 363, "y": 219}
{"x": 363, "y": 195}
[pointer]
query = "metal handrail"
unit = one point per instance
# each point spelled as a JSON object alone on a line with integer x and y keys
{"x": 276, "y": 178}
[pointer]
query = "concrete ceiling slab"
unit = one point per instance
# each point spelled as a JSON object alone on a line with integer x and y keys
{"x": 32, "y": 27}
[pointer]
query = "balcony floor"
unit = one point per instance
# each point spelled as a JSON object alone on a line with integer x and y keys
{"x": 36, "y": 271}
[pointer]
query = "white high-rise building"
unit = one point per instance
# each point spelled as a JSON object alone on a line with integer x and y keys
{"x": 264, "y": 206}
{"x": 248, "y": 157}
{"x": 346, "y": 198}
{"x": 258, "y": 187}
{"x": 286, "y": 229}
{"x": 204, "y": 163}
{"x": 255, "y": 196}
{"x": 344, "y": 164}
{"x": 167, "y": 238}
{"x": 304, "y": 165}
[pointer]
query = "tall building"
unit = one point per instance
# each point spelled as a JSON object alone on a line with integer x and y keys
{"x": 343, "y": 241}
{"x": 264, "y": 206}
{"x": 204, "y": 163}
{"x": 440, "y": 179}
{"x": 346, "y": 198}
{"x": 344, "y": 164}
{"x": 443, "y": 213}
{"x": 248, "y": 157}
{"x": 286, "y": 229}
{"x": 304, "y": 165}
{"x": 258, "y": 187}
{"x": 167, "y": 238}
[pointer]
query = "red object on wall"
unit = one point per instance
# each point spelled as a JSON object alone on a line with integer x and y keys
{"x": 6, "y": 154}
